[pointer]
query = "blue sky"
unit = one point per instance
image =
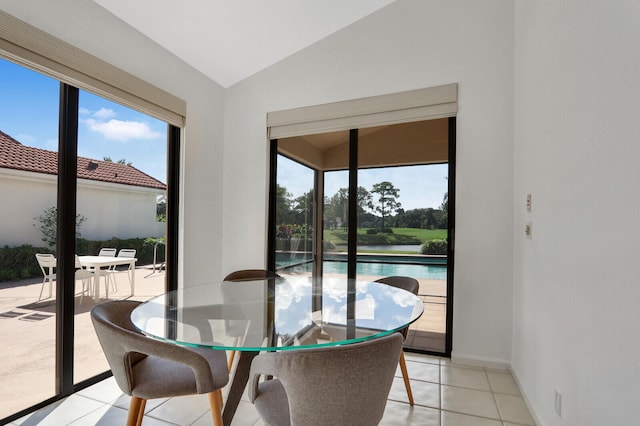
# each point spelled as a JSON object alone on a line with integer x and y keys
{"x": 419, "y": 186}
{"x": 29, "y": 113}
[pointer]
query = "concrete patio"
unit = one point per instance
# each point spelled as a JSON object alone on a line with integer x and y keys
{"x": 28, "y": 362}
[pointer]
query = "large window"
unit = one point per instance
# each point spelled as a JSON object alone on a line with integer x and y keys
{"x": 385, "y": 211}
{"x": 77, "y": 173}
{"x": 121, "y": 192}
{"x": 28, "y": 131}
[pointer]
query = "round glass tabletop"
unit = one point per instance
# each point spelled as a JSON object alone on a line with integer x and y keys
{"x": 282, "y": 313}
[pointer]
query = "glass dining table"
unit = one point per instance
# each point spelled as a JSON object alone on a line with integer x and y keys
{"x": 275, "y": 314}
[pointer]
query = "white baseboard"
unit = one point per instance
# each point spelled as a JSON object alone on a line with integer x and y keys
{"x": 498, "y": 364}
{"x": 526, "y": 399}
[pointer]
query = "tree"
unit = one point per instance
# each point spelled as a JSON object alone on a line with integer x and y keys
{"x": 161, "y": 211}
{"x": 121, "y": 161}
{"x": 302, "y": 208}
{"x": 444, "y": 222}
{"x": 47, "y": 224}
{"x": 284, "y": 203}
{"x": 337, "y": 207}
{"x": 364, "y": 202}
{"x": 387, "y": 195}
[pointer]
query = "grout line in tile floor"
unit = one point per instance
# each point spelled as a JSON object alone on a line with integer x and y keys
{"x": 457, "y": 395}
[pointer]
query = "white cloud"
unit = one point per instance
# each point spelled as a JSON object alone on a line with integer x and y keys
{"x": 104, "y": 114}
{"x": 83, "y": 111}
{"x": 122, "y": 130}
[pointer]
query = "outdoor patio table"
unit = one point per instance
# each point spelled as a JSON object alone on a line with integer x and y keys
{"x": 98, "y": 262}
{"x": 275, "y": 314}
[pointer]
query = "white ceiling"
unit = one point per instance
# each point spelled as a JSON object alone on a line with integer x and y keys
{"x": 229, "y": 40}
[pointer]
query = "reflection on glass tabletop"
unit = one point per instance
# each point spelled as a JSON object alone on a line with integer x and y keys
{"x": 281, "y": 313}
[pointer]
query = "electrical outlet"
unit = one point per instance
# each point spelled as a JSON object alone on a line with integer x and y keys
{"x": 558, "y": 403}
{"x": 529, "y": 202}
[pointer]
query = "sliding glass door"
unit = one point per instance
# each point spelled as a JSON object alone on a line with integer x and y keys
{"x": 384, "y": 211}
{"x": 28, "y": 184}
{"x": 77, "y": 173}
{"x": 121, "y": 205}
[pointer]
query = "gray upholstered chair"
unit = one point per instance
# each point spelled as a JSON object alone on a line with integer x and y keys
{"x": 146, "y": 369}
{"x": 334, "y": 385}
{"x": 236, "y": 329}
{"x": 412, "y": 285}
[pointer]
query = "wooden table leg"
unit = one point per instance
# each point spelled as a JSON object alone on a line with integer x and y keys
{"x": 238, "y": 384}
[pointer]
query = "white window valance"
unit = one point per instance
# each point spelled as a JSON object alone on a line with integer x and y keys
{"x": 404, "y": 107}
{"x": 33, "y": 48}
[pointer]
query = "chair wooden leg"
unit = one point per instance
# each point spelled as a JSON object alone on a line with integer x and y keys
{"x": 134, "y": 411}
{"x": 215, "y": 402}
{"x": 141, "y": 412}
{"x": 230, "y": 362}
{"x": 405, "y": 376}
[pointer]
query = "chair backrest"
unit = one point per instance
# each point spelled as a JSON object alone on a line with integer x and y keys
{"x": 127, "y": 253}
{"x": 337, "y": 385}
{"x": 112, "y": 322}
{"x": 45, "y": 260}
{"x": 405, "y": 283}
{"x": 107, "y": 252}
{"x": 124, "y": 347}
{"x": 250, "y": 274}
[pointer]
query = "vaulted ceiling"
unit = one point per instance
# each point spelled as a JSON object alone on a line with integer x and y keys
{"x": 229, "y": 40}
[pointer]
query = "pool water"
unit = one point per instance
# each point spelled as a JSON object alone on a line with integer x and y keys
{"x": 434, "y": 272}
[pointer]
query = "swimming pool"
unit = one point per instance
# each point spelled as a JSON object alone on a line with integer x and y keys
{"x": 378, "y": 266}
{"x": 434, "y": 272}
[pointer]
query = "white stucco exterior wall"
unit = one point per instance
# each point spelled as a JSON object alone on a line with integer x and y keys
{"x": 407, "y": 45}
{"x": 576, "y": 316}
{"x": 110, "y": 210}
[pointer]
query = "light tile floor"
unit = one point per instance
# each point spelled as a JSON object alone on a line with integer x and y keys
{"x": 445, "y": 394}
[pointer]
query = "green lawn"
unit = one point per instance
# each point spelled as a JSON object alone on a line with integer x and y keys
{"x": 399, "y": 236}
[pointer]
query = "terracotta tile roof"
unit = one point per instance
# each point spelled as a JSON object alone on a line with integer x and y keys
{"x": 14, "y": 155}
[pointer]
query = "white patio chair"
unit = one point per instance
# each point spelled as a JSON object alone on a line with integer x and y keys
{"x": 47, "y": 263}
{"x": 86, "y": 276}
{"x": 105, "y": 251}
{"x": 109, "y": 252}
{"x": 129, "y": 254}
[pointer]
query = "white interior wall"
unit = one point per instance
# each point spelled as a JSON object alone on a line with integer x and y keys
{"x": 89, "y": 27}
{"x": 408, "y": 45}
{"x": 576, "y": 316}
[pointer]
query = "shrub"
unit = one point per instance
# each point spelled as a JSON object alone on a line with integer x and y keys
{"x": 434, "y": 247}
{"x": 47, "y": 224}
{"x": 372, "y": 231}
{"x": 19, "y": 263}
